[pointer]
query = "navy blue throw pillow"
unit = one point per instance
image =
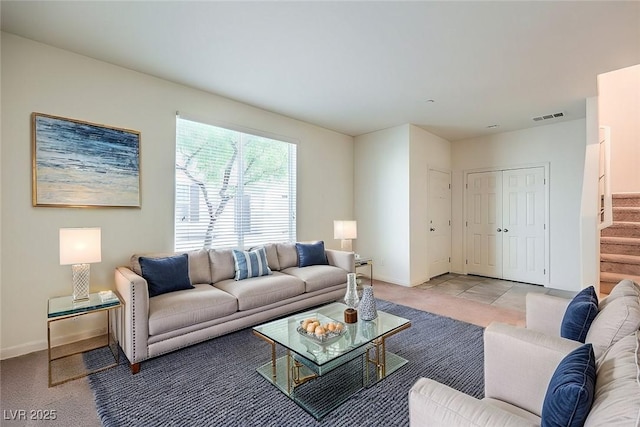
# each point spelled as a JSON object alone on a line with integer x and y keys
{"x": 311, "y": 254}
{"x": 166, "y": 274}
{"x": 570, "y": 393}
{"x": 580, "y": 313}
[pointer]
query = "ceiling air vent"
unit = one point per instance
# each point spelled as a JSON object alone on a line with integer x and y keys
{"x": 548, "y": 116}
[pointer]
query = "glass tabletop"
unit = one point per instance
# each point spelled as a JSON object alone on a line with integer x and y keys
{"x": 285, "y": 332}
{"x": 65, "y": 306}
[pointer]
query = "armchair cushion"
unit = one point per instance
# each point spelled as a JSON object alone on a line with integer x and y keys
{"x": 580, "y": 312}
{"x": 570, "y": 393}
{"x": 166, "y": 274}
{"x": 624, "y": 288}
{"x": 619, "y": 318}
{"x": 617, "y": 394}
{"x": 432, "y": 404}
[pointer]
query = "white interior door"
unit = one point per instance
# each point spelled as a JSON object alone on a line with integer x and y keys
{"x": 484, "y": 219}
{"x": 506, "y": 224}
{"x": 439, "y": 222}
{"x": 523, "y": 225}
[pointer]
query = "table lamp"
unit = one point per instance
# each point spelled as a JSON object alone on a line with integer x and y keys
{"x": 345, "y": 231}
{"x": 80, "y": 247}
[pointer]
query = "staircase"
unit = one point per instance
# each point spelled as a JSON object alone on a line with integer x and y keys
{"x": 620, "y": 243}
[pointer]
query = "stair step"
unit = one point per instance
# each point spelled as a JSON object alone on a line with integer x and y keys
{"x": 626, "y": 214}
{"x": 622, "y": 229}
{"x": 624, "y": 264}
{"x": 609, "y": 280}
{"x": 626, "y": 199}
{"x": 620, "y": 245}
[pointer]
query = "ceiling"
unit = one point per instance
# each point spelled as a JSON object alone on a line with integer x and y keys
{"x": 357, "y": 67}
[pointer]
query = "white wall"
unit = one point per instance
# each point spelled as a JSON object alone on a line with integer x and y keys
{"x": 563, "y": 146}
{"x": 426, "y": 151}
{"x": 381, "y": 193}
{"x": 590, "y": 234}
{"x": 37, "y": 77}
{"x": 619, "y": 108}
{"x": 391, "y": 203}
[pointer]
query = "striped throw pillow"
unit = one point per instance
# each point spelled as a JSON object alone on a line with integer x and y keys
{"x": 251, "y": 264}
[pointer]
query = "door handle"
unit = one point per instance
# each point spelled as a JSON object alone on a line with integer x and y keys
{"x": 499, "y": 230}
{"x": 432, "y": 229}
{"x": 506, "y": 230}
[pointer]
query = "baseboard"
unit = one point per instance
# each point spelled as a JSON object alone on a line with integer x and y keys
{"x": 392, "y": 280}
{"x": 22, "y": 349}
{"x": 33, "y": 346}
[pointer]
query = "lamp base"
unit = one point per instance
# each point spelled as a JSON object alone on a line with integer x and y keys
{"x": 80, "y": 282}
{"x": 345, "y": 245}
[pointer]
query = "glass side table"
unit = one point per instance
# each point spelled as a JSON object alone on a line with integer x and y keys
{"x": 81, "y": 358}
{"x": 365, "y": 262}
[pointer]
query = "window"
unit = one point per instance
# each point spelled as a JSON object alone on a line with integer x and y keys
{"x": 233, "y": 189}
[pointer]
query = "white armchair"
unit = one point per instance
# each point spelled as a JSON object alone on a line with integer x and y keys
{"x": 519, "y": 363}
{"x": 518, "y": 366}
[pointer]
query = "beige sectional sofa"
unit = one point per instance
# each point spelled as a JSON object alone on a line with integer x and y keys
{"x": 218, "y": 304}
{"x": 520, "y": 362}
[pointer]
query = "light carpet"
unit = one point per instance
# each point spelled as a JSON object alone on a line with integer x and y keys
{"x": 215, "y": 383}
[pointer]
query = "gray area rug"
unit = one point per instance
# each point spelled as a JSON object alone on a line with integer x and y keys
{"x": 215, "y": 383}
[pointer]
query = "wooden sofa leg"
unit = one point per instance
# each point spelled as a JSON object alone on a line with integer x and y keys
{"x": 135, "y": 368}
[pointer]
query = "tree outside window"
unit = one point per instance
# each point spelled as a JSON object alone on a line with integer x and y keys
{"x": 233, "y": 189}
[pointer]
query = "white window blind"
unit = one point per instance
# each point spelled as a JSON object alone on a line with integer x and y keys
{"x": 233, "y": 189}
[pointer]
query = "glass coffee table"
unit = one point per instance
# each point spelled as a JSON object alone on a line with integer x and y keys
{"x": 320, "y": 376}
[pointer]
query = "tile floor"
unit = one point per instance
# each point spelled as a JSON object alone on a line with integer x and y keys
{"x": 495, "y": 292}
{"x": 472, "y": 299}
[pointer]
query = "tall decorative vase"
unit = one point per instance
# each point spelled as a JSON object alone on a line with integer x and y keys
{"x": 367, "y": 307}
{"x": 351, "y": 298}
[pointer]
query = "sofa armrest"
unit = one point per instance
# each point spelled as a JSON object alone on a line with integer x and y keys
{"x": 519, "y": 363}
{"x": 344, "y": 260}
{"x": 134, "y": 334}
{"x": 433, "y": 404}
{"x": 544, "y": 313}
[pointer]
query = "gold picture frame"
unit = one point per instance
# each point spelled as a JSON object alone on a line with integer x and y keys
{"x": 82, "y": 164}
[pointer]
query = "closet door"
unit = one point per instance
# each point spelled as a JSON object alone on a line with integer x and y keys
{"x": 523, "y": 225}
{"x": 484, "y": 223}
{"x": 506, "y": 229}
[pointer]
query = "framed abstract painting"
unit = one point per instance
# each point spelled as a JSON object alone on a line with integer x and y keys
{"x": 82, "y": 164}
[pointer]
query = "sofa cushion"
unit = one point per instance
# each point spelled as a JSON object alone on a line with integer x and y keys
{"x": 272, "y": 256}
{"x": 181, "y": 309}
{"x": 579, "y": 314}
{"x": 311, "y": 254}
{"x": 222, "y": 264}
{"x": 617, "y": 393}
{"x": 287, "y": 255}
{"x": 250, "y": 264}
{"x": 199, "y": 270}
{"x": 318, "y": 277}
{"x": 619, "y": 318}
{"x": 165, "y": 275}
{"x": 570, "y": 392}
{"x": 260, "y": 291}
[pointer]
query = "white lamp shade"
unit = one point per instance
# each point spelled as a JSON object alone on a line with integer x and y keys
{"x": 80, "y": 245}
{"x": 345, "y": 229}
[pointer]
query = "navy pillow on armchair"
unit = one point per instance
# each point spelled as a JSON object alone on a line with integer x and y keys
{"x": 579, "y": 315}
{"x": 569, "y": 396}
{"x": 166, "y": 274}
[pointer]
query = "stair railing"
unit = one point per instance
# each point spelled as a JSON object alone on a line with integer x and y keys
{"x": 604, "y": 179}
